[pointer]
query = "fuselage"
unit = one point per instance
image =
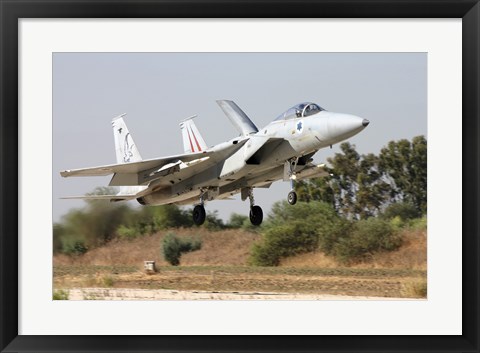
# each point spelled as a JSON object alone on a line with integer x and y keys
{"x": 260, "y": 157}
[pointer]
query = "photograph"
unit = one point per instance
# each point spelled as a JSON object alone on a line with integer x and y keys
{"x": 231, "y": 176}
{"x": 239, "y": 176}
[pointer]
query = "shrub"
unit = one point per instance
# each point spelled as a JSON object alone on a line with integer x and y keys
{"x": 237, "y": 220}
{"x": 291, "y": 230}
{"x": 108, "y": 281}
{"x": 318, "y": 215}
{"x": 91, "y": 226}
{"x": 60, "y": 295}
{"x": 213, "y": 222}
{"x": 174, "y": 247}
{"x": 151, "y": 219}
{"x": 419, "y": 223}
{"x": 282, "y": 241}
{"x": 125, "y": 232}
{"x": 170, "y": 216}
{"x": 329, "y": 238}
{"x": 404, "y": 210}
{"x": 397, "y": 223}
{"x": 364, "y": 238}
{"x": 58, "y": 234}
{"x": 72, "y": 246}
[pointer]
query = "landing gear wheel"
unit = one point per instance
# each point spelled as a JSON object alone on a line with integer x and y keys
{"x": 199, "y": 215}
{"x": 292, "y": 198}
{"x": 256, "y": 215}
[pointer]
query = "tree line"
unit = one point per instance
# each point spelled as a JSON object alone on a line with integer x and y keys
{"x": 362, "y": 186}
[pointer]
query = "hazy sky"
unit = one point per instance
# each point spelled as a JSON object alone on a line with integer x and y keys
{"x": 158, "y": 90}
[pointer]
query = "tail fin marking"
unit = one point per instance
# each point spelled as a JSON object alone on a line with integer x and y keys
{"x": 125, "y": 148}
{"x": 127, "y": 152}
{"x": 192, "y": 139}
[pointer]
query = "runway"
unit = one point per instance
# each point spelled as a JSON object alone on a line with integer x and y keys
{"x": 167, "y": 294}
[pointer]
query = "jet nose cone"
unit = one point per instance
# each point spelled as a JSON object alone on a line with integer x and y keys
{"x": 365, "y": 122}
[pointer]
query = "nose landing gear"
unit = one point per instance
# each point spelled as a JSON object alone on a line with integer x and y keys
{"x": 292, "y": 195}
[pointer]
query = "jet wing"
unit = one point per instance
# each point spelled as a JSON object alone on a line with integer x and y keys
{"x": 111, "y": 198}
{"x": 133, "y": 168}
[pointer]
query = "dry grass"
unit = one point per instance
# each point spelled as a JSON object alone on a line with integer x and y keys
{"x": 229, "y": 247}
{"x": 232, "y": 248}
{"x": 313, "y": 259}
{"x": 415, "y": 288}
{"x": 411, "y": 255}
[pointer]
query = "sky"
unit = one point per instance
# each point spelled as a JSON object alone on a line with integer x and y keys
{"x": 158, "y": 90}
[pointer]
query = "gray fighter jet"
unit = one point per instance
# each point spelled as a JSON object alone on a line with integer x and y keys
{"x": 282, "y": 150}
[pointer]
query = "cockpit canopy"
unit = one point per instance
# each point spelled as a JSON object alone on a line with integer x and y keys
{"x": 300, "y": 111}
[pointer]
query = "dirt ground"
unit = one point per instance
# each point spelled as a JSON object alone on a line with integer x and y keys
{"x": 386, "y": 283}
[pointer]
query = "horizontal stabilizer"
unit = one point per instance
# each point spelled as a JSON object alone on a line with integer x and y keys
{"x": 238, "y": 118}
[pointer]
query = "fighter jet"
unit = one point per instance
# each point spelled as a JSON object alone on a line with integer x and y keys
{"x": 282, "y": 150}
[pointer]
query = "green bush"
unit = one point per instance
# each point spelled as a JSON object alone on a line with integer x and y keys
{"x": 364, "y": 238}
{"x": 125, "y": 232}
{"x": 213, "y": 222}
{"x": 318, "y": 215}
{"x": 170, "y": 216}
{"x": 108, "y": 281}
{"x": 305, "y": 227}
{"x": 58, "y": 234}
{"x": 60, "y": 295}
{"x": 72, "y": 246}
{"x": 173, "y": 247}
{"x": 404, "y": 210}
{"x": 93, "y": 226}
{"x": 419, "y": 223}
{"x": 329, "y": 238}
{"x": 237, "y": 220}
{"x": 282, "y": 241}
{"x": 290, "y": 230}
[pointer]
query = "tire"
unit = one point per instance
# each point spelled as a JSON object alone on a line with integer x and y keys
{"x": 292, "y": 198}
{"x": 199, "y": 215}
{"x": 256, "y": 215}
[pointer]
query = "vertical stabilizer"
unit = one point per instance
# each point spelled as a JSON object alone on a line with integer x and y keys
{"x": 125, "y": 147}
{"x": 192, "y": 140}
{"x": 238, "y": 117}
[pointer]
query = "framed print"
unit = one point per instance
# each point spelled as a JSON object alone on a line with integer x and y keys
{"x": 67, "y": 64}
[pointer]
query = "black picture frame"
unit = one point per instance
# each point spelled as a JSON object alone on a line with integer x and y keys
{"x": 12, "y": 10}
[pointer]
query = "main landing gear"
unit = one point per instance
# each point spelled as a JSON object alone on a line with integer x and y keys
{"x": 292, "y": 195}
{"x": 199, "y": 213}
{"x": 256, "y": 213}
